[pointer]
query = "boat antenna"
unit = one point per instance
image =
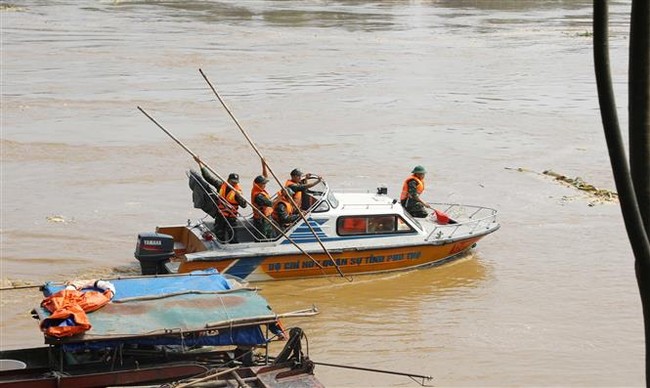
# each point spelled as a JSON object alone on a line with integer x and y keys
{"x": 320, "y": 242}
{"x": 196, "y": 157}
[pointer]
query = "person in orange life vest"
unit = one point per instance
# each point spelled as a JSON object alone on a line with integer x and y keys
{"x": 229, "y": 202}
{"x": 411, "y": 190}
{"x": 261, "y": 200}
{"x": 298, "y": 185}
{"x": 284, "y": 213}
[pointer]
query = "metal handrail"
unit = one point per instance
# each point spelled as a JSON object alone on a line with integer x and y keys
{"x": 244, "y": 217}
{"x": 474, "y": 224}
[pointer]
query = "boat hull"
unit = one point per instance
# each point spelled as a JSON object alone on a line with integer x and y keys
{"x": 350, "y": 261}
{"x": 159, "y": 330}
{"x": 342, "y": 234}
{"x": 147, "y": 375}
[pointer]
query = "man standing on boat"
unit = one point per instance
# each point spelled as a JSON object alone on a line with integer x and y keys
{"x": 298, "y": 185}
{"x": 261, "y": 200}
{"x": 228, "y": 203}
{"x": 411, "y": 190}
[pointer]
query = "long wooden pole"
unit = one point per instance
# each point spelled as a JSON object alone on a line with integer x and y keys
{"x": 390, "y": 372}
{"x": 213, "y": 375}
{"x": 21, "y": 287}
{"x": 302, "y": 216}
{"x": 229, "y": 185}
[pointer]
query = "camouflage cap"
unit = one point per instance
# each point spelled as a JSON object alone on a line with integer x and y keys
{"x": 418, "y": 170}
{"x": 261, "y": 179}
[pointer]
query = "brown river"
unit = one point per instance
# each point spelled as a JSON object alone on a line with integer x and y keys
{"x": 486, "y": 94}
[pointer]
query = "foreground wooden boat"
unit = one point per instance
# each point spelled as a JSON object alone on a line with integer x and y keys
{"x": 363, "y": 233}
{"x": 200, "y": 326}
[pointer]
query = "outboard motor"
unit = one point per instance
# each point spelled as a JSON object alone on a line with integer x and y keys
{"x": 153, "y": 250}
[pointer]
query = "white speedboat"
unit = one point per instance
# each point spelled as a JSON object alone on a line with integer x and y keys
{"x": 346, "y": 234}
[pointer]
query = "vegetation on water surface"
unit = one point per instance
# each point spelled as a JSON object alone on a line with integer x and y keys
{"x": 595, "y": 194}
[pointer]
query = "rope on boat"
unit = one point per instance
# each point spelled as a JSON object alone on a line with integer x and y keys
{"x": 302, "y": 216}
{"x": 172, "y": 294}
{"x": 292, "y": 350}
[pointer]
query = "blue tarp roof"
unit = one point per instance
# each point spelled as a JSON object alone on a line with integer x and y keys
{"x": 207, "y": 280}
{"x": 157, "y": 306}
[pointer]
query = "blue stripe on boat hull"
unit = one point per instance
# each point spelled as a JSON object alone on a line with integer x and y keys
{"x": 244, "y": 267}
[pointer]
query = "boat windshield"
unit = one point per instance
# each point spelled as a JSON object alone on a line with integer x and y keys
{"x": 332, "y": 200}
{"x": 317, "y": 196}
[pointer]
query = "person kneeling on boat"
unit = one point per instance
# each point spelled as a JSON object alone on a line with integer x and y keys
{"x": 284, "y": 213}
{"x": 228, "y": 203}
{"x": 411, "y": 190}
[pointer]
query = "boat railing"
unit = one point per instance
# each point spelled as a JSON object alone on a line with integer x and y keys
{"x": 244, "y": 230}
{"x": 464, "y": 219}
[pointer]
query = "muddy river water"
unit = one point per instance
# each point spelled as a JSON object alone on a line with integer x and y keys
{"x": 486, "y": 94}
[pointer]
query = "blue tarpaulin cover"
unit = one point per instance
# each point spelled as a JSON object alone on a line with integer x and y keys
{"x": 156, "y": 310}
{"x": 207, "y": 280}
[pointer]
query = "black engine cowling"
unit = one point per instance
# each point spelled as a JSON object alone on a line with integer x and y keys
{"x": 153, "y": 250}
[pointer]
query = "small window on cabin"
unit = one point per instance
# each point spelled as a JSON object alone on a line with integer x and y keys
{"x": 351, "y": 225}
{"x": 322, "y": 207}
{"x": 332, "y": 200}
{"x": 381, "y": 224}
{"x": 402, "y": 226}
{"x": 375, "y": 224}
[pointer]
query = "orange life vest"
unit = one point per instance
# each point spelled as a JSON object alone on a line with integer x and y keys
{"x": 286, "y": 202}
{"x": 230, "y": 196}
{"x": 73, "y": 304}
{"x": 405, "y": 187}
{"x": 297, "y": 196}
{"x": 267, "y": 210}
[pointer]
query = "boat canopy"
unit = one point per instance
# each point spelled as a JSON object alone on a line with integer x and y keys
{"x": 200, "y": 308}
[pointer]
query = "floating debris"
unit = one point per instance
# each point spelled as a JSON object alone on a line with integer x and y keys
{"x": 599, "y": 195}
{"x": 59, "y": 219}
{"x": 7, "y": 7}
{"x": 578, "y": 183}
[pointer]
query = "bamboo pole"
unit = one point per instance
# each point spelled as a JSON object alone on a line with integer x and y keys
{"x": 250, "y": 141}
{"x": 196, "y": 157}
{"x": 21, "y": 287}
{"x": 410, "y": 375}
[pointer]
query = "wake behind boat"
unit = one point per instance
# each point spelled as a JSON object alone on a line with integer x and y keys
{"x": 362, "y": 233}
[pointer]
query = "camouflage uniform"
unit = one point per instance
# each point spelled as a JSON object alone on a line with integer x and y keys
{"x": 411, "y": 204}
{"x": 261, "y": 223}
{"x": 223, "y": 226}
